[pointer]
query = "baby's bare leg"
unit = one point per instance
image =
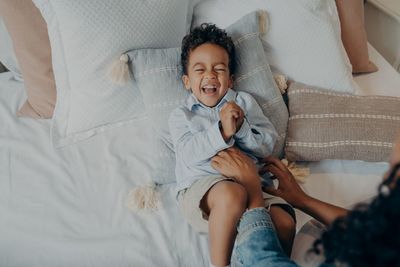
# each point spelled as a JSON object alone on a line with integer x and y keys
{"x": 225, "y": 203}
{"x": 285, "y": 227}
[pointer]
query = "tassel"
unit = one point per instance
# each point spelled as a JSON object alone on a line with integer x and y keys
{"x": 118, "y": 72}
{"x": 144, "y": 198}
{"x": 281, "y": 82}
{"x": 262, "y": 21}
{"x": 299, "y": 174}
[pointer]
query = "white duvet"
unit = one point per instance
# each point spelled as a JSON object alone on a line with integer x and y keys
{"x": 67, "y": 207}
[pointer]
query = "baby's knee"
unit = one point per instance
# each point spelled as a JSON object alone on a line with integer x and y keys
{"x": 231, "y": 196}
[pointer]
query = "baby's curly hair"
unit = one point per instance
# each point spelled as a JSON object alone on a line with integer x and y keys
{"x": 207, "y": 33}
{"x": 369, "y": 235}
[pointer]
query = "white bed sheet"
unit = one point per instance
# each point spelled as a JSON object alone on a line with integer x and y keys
{"x": 68, "y": 207}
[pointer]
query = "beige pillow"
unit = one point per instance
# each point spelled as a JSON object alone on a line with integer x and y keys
{"x": 31, "y": 43}
{"x": 354, "y": 36}
{"x": 330, "y": 125}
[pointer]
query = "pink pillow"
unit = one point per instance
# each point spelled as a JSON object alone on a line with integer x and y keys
{"x": 354, "y": 36}
{"x": 28, "y": 31}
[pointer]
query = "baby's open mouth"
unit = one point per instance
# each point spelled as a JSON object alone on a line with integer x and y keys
{"x": 209, "y": 89}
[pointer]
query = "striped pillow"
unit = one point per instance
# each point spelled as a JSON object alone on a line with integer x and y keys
{"x": 330, "y": 125}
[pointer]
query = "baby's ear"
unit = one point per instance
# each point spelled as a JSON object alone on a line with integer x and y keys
{"x": 230, "y": 84}
{"x": 186, "y": 81}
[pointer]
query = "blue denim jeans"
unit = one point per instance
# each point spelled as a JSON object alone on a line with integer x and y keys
{"x": 257, "y": 243}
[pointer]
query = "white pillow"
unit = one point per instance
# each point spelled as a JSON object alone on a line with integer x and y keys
{"x": 7, "y": 55}
{"x": 192, "y": 4}
{"x": 86, "y": 37}
{"x": 303, "y": 40}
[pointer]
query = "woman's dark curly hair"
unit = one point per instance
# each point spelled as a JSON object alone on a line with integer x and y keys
{"x": 207, "y": 33}
{"x": 370, "y": 234}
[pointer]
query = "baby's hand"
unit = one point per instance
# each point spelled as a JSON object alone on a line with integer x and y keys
{"x": 231, "y": 116}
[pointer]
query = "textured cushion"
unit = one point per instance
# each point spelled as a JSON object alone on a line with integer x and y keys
{"x": 85, "y": 38}
{"x": 329, "y": 125}
{"x": 7, "y": 55}
{"x": 32, "y": 47}
{"x": 354, "y": 36}
{"x": 158, "y": 74}
{"x": 303, "y": 40}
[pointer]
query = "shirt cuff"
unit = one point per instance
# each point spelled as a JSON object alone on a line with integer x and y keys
{"x": 244, "y": 130}
{"x": 217, "y": 140}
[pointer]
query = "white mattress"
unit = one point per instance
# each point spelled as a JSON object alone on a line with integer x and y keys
{"x": 68, "y": 207}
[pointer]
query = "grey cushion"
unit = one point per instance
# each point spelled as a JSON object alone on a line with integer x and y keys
{"x": 330, "y": 125}
{"x": 157, "y": 73}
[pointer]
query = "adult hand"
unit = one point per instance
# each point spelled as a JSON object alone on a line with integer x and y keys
{"x": 235, "y": 164}
{"x": 290, "y": 191}
{"x": 231, "y": 116}
{"x": 288, "y": 188}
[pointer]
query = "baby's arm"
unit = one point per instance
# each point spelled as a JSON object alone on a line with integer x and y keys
{"x": 198, "y": 147}
{"x": 257, "y": 135}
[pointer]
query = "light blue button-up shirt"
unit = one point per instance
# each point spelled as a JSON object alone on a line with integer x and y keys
{"x": 196, "y": 135}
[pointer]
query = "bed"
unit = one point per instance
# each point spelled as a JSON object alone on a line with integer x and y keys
{"x": 68, "y": 206}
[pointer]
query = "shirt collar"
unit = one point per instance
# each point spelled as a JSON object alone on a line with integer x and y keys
{"x": 192, "y": 101}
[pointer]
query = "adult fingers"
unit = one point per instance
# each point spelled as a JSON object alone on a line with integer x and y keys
{"x": 263, "y": 170}
{"x": 215, "y": 163}
{"x": 222, "y": 155}
{"x": 276, "y": 162}
{"x": 226, "y": 157}
{"x": 278, "y": 173}
{"x": 232, "y": 152}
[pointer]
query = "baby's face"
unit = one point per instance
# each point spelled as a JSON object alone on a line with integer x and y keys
{"x": 208, "y": 73}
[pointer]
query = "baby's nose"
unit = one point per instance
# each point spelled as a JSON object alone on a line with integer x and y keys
{"x": 210, "y": 75}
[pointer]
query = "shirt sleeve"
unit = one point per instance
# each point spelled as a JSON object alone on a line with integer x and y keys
{"x": 195, "y": 148}
{"x": 257, "y": 135}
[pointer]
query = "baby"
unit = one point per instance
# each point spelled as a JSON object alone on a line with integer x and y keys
{"x": 214, "y": 118}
